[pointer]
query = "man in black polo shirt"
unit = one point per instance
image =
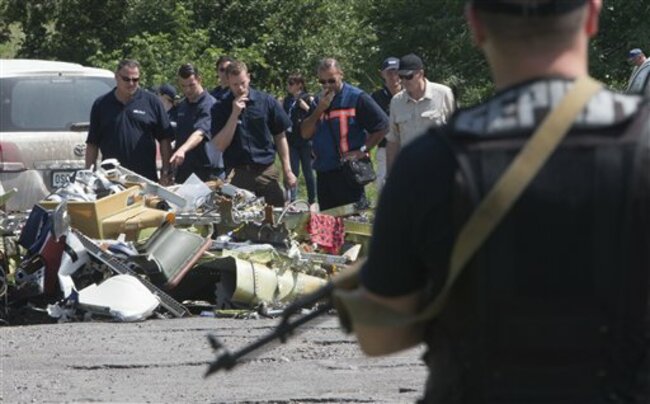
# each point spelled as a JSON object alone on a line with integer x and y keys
{"x": 221, "y": 91}
{"x": 125, "y": 124}
{"x": 392, "y": 85}
{"x": 248, "y": 127}
{"x": 194, "y": 153}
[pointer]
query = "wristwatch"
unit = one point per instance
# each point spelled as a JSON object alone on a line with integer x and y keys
{"x": 363, "y": 149}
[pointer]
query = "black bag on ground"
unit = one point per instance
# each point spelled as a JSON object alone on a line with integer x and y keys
{"x": 360, "y": 171}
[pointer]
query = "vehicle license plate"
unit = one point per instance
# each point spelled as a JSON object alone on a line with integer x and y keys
{"x": 61, "y": 177}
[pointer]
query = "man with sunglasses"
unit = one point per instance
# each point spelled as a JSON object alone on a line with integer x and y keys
{"x": 194, "y": 152}
{"x": 344, "y": 123}
{"x": 125, "y": 124}
{"x": 419, "y": 106}
{"x": 553, "y": 306}
{"x": 221, "y": 90}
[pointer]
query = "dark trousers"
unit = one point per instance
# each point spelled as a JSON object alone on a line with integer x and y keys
{"x": 260, "y": 179}
{"x": 300, "y": 156}
{"x": 334, "y": 189}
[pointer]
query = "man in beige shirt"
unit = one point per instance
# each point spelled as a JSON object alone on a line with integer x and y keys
{"x": 419, "y": 106}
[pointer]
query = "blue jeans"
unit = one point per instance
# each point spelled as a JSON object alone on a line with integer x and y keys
{"x": 301, "y": 156}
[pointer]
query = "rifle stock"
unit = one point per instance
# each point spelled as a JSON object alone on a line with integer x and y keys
{"x": 290, "y": 321}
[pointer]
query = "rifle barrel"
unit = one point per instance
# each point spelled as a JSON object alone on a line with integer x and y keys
{"x": 227, "y": 360}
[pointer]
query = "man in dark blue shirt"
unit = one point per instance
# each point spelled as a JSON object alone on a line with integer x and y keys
{"x": 344, "y": 123}
{"x": 248, "y": 127}
{"x": 194, "y": 153}
{"x": 221, "y": 91}
{"x": 382, "y": 97}
{"x": 167, "y": 95}
{"x": 125, "y": 124}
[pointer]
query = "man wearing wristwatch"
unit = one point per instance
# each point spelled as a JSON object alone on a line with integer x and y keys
{"x": 344, "y": 123}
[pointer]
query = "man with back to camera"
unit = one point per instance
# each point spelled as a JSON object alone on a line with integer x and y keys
{"x": 192, "y": 154}
{"x": 420, "y": 105}
{"x": 344, "y": 123}
{"x": 125, "y": 124}
{"x": 382, "y": 97}
{"x": 553, "y": 308}
{"x": 248, "y": 127}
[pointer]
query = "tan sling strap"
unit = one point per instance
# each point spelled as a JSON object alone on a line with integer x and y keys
{"x": 489, "y": 212}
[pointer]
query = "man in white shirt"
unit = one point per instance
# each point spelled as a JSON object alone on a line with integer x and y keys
{"x": 639, "y": 77}
{"x": 420, "y": 105}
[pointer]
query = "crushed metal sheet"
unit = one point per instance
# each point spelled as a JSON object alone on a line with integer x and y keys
{"x": 123, "y": 297}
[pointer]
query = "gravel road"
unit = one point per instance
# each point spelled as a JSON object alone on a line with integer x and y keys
{"x": 163, "y": 361}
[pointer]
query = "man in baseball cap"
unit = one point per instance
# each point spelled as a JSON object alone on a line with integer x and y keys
{"x": 382, "y": 96}
{"x": 425, "y": 103}
{"x": 638, "y": 82}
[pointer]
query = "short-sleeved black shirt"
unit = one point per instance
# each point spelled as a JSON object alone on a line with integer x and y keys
{"x": 413, "y": 231}
{"x": 128, "y": 132}
{"x": 296, "y": 115}
{"x": 219, "y": 93}
{"x": 193, "y": 116}
{"x": 261, "y": 120}
{"x": 382, "y": 97}
{"x": 569, "y": 257}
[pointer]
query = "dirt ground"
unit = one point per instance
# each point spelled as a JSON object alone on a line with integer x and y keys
{"x": 163, "y": 361}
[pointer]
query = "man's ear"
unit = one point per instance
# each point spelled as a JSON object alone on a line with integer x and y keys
{"x": 475, "y": 25}
{"x": 593, "y": 15}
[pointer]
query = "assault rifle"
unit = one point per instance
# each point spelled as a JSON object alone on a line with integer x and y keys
{"x": 291, "y": 320}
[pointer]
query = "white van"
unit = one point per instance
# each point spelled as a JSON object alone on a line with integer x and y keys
{"x": 44, "y": 117}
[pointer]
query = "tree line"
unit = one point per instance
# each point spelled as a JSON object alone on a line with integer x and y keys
{"x": 278, "y": 37}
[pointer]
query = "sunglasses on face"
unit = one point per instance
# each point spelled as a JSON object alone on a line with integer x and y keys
{"x": 130, "y": 79}
{"x": 407, "y": 76}
{"x": 328, "y": 81}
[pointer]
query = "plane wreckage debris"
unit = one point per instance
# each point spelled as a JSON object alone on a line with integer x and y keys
{"x": 113, "y": 245}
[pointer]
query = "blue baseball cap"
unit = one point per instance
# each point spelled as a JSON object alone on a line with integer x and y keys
{"x": 634, "y": 53}
{"x": 391, "y": 63}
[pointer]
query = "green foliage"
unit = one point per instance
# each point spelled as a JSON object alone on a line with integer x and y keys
{"x": 437, "y": 32}
{"x": 276, "y": 38}
{"x": 160, "y": 52}
{"x": 622, "y": 27}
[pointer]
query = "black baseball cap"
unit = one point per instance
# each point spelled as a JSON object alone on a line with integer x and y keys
{"x": 168, "y": 90}
{"x": 528, "y": 8}
{"x": 410, "y": 63}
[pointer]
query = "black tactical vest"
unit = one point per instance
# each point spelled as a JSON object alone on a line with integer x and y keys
{"x": 553, "y": 308}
